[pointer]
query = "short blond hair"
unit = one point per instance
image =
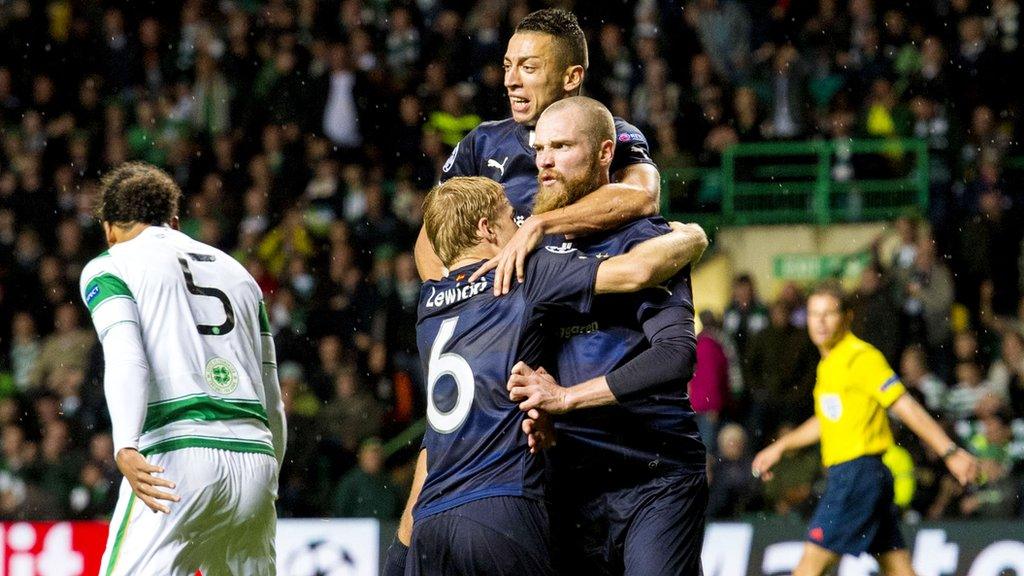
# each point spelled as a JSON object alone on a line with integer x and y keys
{"x": 452, "y": 210}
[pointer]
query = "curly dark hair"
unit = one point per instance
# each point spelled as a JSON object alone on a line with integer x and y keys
{"x": 136, "y": 192}
{"x": 569, "y": 38}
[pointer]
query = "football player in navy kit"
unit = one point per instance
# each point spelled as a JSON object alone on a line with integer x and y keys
{"x": 628, "y": 488}
{"x": 478, "y": 496}
{"x": 546, "y": 61}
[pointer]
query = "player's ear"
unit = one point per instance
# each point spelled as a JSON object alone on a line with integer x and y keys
{"x": 484, "y": 230}
{"x": 108, "y": 232}
{"x": 605, "y": 153}
{"x": 572, "y": 81}
{"x": 175, "y": 224}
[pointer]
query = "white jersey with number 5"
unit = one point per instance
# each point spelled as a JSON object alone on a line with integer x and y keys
{"x": 205, "y": 334}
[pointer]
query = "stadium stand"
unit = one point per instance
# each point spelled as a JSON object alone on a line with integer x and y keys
{"x": 305, "y": 135}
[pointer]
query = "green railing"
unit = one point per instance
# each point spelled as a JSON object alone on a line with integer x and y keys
{"x": 802, "y": 182}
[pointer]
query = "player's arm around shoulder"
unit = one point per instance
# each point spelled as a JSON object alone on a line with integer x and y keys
{"x": 633, "y": 193}
{"x": 653, "y": 261}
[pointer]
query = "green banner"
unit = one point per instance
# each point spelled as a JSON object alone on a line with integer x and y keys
{"x": 813, "y": 267}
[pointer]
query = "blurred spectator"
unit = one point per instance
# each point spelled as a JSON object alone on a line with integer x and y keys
{"x": 746, "y": 315}
{"x": 970, "y": 387}
{"x": 998, "y": 491}
{"x": 790, "y": 489}
{"x": 25, "y": 348}
{"x": 876, "y": 314}
{"x": 709, "y": 389}
{"x": 341, "y": 114}
{"x": 67, "y": 347}
{"x": 927, "y": 289}
{"x": 779, "y": 374}
{"x": 366, "y": 492}
{"x": 1007, "y": 372}
{"x": 732, "y": 486}
{"x": 352, "y": 416}
{"x": 928, "y": 388}
{"x": 723, "y": 27}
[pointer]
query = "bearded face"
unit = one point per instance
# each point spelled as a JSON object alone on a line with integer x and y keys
{"x": 557, "y": 188}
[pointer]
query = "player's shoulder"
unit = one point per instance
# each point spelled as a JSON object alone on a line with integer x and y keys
{"x": 443, "y": 294}
{"x": 644, "y": 228}
{"x": 495, "y": 127}
{"x": 103, "y": 263}
{"x": 102, "y": 279}
{"x": 860, "y": 353}
{"x": 489, "y": 131}
{"x": 626, "y": 132}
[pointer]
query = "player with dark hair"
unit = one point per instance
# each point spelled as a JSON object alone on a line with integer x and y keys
{"x": 546, "y": 61}
{"x": 629, "y": 488}
{"x": 191, "y": 385}
{"x": 855, "y": 387}
{"x": 477, "y": 501}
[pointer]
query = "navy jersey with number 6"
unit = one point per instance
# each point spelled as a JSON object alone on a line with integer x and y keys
{"x": 469, "y": 340}
{"x": 503, "y": 152}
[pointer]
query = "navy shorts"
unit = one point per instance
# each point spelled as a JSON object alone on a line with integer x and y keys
{"x": 655, "y": 528}
{"x": 499, "y": 535}
{"x": 857, "y": 513}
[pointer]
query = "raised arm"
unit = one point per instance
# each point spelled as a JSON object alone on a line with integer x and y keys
{"x": 428, "y": 264}
{"x": 634, "y": 194}
{"x": 653, "y": 261}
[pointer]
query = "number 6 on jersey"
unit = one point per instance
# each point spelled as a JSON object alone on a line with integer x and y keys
{"x": 453, "y": 365}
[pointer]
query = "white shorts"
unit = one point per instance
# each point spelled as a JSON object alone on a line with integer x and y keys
{"x": 224, "y": 523}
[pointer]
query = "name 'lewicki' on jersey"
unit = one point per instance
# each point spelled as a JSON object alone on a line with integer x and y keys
{"x": 469, "y": 340}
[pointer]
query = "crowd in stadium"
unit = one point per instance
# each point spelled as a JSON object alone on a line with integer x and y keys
{"x": 305, "y": 134}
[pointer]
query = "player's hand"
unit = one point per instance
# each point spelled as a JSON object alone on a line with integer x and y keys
{"x": 963, "y": 466}
{"x": 693, "y": 229}
{"x": 539, "y": 430}
{"x": 512, "y": 258}
{"x": 764, "y": 461}
{"x": 139, "y": 473}
{"x": 536, "y": 389}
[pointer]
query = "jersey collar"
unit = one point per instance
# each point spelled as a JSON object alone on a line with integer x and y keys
{"x": 526, "y": 137}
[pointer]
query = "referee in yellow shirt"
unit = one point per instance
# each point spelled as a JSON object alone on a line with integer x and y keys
{"x": 854, "y": 388}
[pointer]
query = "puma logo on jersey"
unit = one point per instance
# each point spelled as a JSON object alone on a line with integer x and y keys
{"x": 492, "y": 163}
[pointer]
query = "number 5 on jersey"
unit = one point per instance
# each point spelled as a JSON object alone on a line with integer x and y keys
{"x": 450, "y": 364}
{"x": 229, "y": 313}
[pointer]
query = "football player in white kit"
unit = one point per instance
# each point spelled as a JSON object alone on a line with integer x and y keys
{"x": 191, "y": 384}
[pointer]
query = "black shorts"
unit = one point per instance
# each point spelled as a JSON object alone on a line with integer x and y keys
{"x": 857, "y": 514}
{"x": 499, "y": 535}
{"x": 651, "y": 529}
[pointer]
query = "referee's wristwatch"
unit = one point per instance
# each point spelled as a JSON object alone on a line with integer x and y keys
{"x": 950, "y": 451}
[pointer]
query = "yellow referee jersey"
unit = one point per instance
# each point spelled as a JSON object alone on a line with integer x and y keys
{"x": 855, "y": 386}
